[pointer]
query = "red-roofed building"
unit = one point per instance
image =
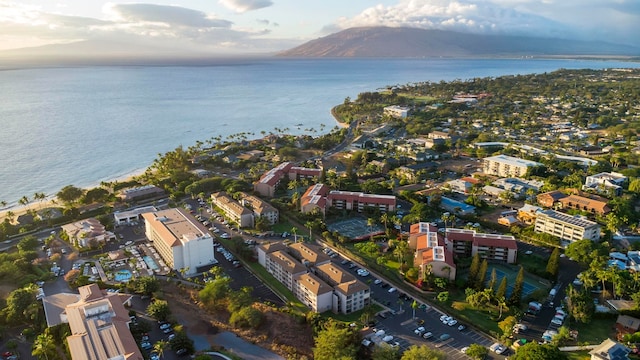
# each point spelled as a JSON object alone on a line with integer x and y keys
{"x": 493, "y": 247}
{"x": 319, "y": 197}
{"x": 314, "y": 198}
{"x": 431, "y": 254}
{"x": 270, "y": 180}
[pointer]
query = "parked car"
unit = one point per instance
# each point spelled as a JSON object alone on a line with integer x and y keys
{"x": 444, "y": 337}
{"x": 391, "y": 290}
{"x": 377, "y": 281}
{"x": 165, "y": 326}
{"x": 427, "y": 335}
{"x": 419, "y": 331}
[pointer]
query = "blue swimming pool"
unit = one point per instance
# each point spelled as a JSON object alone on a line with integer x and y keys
{"x": 150, "y": 263}
{"x": 123, "y": 275}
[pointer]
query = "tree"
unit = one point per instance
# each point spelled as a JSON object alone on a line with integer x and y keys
{"x": 580, "y": 304}
{"x": 294, "y": 231}
{"x": 554, "y": 263}
{"x": 160, "y": 346}
{"x": 584, "y": 251}
{"x": 502, "y": 288}
{"x": 516, "y": 294}
{"x": 335, "y": 341}
{"x": 239, "y": 299}
{"x": 477, "y": 351}
{"x": 17, "y": 304}
{"x": 443, "y": 296}
{"x": 247, "y": 317}
{"x": 70, "y": 194}
{"x": 482, "y": 274}
{"x": 492, "y": 280}
{"x": 44, "y": 346}
{"x": 385, "y": 352}
{"x": 507, "y": 324}
{"x": 474, "y": 269}
{"x": 28, "y": 243}
{"x": 423, "y": 352}
{"x": 215, "y": 291}
{"x": 159, "y": 309}
{"x": 145, "y": 285}
{"x": 534, "y": 351}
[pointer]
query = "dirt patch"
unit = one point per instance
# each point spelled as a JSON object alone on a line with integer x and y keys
{"x": 281, "y": 333}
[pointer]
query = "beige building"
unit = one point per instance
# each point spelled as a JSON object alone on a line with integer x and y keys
{"x": 99, "y": 326}
{"x": 181, "y": 241}
{"x": 232, "y": 209}
{"x": 313, "y": 292}
{"x": 87, "y": 232}
{"x": 260, "y": 208}
{"x": 568, "y": 228}
{"x": 507, "y": 166}
{"x": 349, "y": 293}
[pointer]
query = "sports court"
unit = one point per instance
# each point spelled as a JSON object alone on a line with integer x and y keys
{"x": 355, "y": 228}
{"x": 528, "y": 287}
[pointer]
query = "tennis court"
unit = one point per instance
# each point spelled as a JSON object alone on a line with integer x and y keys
{"x": 355, "y": 228}
{"x": 528, "y": 286}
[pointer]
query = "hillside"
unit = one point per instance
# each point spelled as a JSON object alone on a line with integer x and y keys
{"x": 412, "y": 42}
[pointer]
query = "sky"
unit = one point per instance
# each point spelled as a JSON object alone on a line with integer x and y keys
{"x": 267, "y": 26}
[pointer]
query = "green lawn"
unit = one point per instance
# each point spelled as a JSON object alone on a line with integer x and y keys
{"x": 578, "y": 355}
{"x": 595, "y": 331}
{"x": 282, "y": 227}
{"x": 482, "y": 319}
{"x": 349, "y": 318}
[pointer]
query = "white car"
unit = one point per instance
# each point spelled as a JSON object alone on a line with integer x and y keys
{"x": 419, "y": 331}
{"x": 377, "y": 281}
{"x": 427, "y": 335}
{"x": 464, "y": 349}
{"x": 225, "y": 236}
{"x": 452, "y": 322}
{"x": 363, "y": 272}
{"x": 391, "y": 290}
{"x": 557, "y": 321}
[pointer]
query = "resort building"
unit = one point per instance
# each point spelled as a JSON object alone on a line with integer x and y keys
{"x": 99, "y": 326}
{"x": 568, "y": 228}
{"x": 493, "y": 247}
{"x": 260, "y": 208}
{"x": 269, "y": 181}
{"x": 87, "y": 232}
{"x": 141, "y": 192}
{"x": 314, "y": 199}
{"x": 131, "y": 216}
{"x": 181, "y": 241}
{"x": 585, "y": 204}
{"x": 350, "y": 200}
{"x": 313, "y": 278}
{"x": 507, "y": 166}
{"x": 430, "y": 251}
{"x": 232, "y": 209}
{"x": 398, "y": 112}
{"x": 605, "y": 183}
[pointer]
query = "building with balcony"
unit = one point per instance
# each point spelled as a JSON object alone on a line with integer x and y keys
{"x": 181, "y": 241}
{"x": 493, "y": 247}
{"x": 568, "y": 228}
{"x": 430, "y": 252}
{"x": 269, "y": 181}
{"x": 260, "y": 209}
{"x": 507, "y": 166}
{"x": 232, "y": 209}
{"x": 605, "y": 183}
{"x": 87, "y": 232}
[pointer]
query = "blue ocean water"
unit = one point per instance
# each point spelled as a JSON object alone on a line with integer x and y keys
{"x": 82, "y": 125}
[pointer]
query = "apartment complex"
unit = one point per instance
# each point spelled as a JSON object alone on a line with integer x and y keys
{"x": 232, "y": 209}
{"x": 181, "y": 241}
{"x": 260, "y": 208}
{"x": 585, "y": 204}
{"x": 507, "y": 166}
{"x": 430, "y": 251}
{"x": 269, "y": 181}
{"x": 493, "y": 247}
{"x": 314, "y": 199}
{"x": 313, "y": 278}
{"x": 99, "y": 326}
{"x": 87, "y": 232}
{"x": 318, "y": 197}
{"x": 568, "y": 228}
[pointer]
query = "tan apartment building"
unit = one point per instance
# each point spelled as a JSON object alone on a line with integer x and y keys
{"x": 349, "y": 293}
{"x": 507, "y": 166}
{"x": 585, "y": 204}
{"x": 181, "y": 241}
{"x": 232, "y": 209}
{"x": 99, "y": 326}
{"x": 313, "y": 292}
{"x": 284, "y": 268}
{"x": 260, "y": 208}
{"x": 568, "y": 228}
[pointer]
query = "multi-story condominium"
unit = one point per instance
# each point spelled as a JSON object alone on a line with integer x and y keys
{"x": 313, "y": 292}
{"x": 431, "y": 254}
{"x": 238, "y": 213}
{"x": 313, "y": 278}
{"x": 260, "y": 208}
{"x": 493, "y": 247}
{"x": 270, "y": 180}
{"x": 585, "y": 204}
{"x": 349, "y": 293}
{"x": 131, "y": 216}
{"x": 284, "y": 268}
{"x": 358, "y": 201}
{"x": 605, "y": 182}
{"x": 507, "y": 166}
{"x": 99, "y": 326}
{"x": 181, "y": 241}
{"x": 87, "y": 232}
{"x": 396, "y": 111}
{"x": 568, "y": 228}
{"x": 314, "y": 199}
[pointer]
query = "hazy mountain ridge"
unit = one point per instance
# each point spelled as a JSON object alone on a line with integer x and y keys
{"x": 413, "y": 42}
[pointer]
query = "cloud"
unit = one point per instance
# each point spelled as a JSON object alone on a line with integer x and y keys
{"x": 170, "y": 15}
{"x": 245, "y": 5}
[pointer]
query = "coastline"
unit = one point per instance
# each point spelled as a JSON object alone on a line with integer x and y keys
{"x": 335, "y": 117}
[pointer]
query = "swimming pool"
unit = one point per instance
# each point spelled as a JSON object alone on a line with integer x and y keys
{"x": 150, "y": 263}
{"x": 123, "y": 275}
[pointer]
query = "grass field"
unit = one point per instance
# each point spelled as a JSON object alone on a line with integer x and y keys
{"x": 578, "y": 355}
{"x": 595, "y": 331}
{"x": 481, "y": 318}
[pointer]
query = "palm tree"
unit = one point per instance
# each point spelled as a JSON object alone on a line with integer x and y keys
{"x": 160, "y": 346}
{"x": 3, "y": 203}
{"x": 294, "y": 231}
{"x": 309, "y": 225}
{"x": 43, "y": 346}
{"x": 10, "y": 215}
{"x": 414, "y": 306}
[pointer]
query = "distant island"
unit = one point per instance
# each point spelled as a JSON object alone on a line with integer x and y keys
{"x": 416, "y": 43}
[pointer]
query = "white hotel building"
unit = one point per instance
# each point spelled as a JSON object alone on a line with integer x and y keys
{"x": 507, "y": 166}
{"x": 568, "y": 228}
{"x": 181, "y": 241}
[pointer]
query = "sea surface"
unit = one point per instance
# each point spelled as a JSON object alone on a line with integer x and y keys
{"x": 82, "y": 125}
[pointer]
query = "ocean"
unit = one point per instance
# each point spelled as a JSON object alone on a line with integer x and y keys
{"x": 82, "y": 125}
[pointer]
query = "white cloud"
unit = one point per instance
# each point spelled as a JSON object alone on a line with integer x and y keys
{"x": 170, "y": 15}
{"x": 245, "y": 5}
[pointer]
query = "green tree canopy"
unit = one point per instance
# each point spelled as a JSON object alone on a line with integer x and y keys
{"x": 215, "y": 291}
{"x": 70, "y": 194}
{"x": 159, "y": 309}
{"x": 247, "y": 317}
{"x": 534, "y": 351}
{"x": 477, "y": 351}
{"x": 336, "y": 342}
{"x": 385, "y": 352}
{"x": 423, "y": 352}
{"x": 554, "y": 263}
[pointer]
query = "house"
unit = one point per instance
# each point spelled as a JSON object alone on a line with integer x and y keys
{"x": 396, "y": 111}
{"x": 610, "y": 350}
{"x": 584, "y": 204}
{"x": 527, "y": 213}
{"x": 549, "y": 199}
{"x": 605, "y": 183}
{"x": 507, "y": 220}
{"x": 99, "y": 325}
{"x": 626, "y": 325}
{"x": 87, "y": 232}
{"x": 507, "y": 166}
{"x": 456, "y": 207}
{"x": 181, "y": 240}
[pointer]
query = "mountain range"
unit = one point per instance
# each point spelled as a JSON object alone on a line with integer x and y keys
{"x": 417, "y": 43}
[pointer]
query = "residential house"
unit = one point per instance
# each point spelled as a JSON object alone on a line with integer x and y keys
{"x": 584, "y": 204}
{"x": 87, "y": 232}
{"x": 527, "y": 213}
{"x": 182, "y": 241}
{"x": 610, "y": 350}
{"x": 396, "y": 111}
{"x": 626, "y": 325}
{"x": 606, "y": 183}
